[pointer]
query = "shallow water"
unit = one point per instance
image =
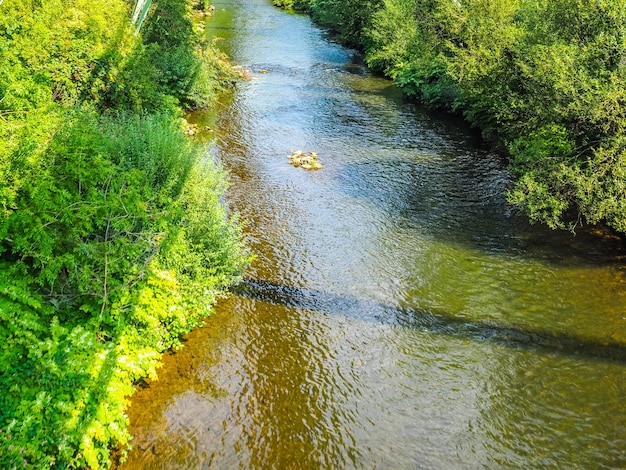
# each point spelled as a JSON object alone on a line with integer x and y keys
{"x": 399, "y": 313}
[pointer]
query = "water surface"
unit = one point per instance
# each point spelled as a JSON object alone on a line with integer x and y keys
{"x": 399, "y": 314}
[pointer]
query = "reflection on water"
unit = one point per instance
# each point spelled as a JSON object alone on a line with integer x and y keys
{"x": 407, "y": 316}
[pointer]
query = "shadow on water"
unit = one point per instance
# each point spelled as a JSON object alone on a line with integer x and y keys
{"x": 513, "y": 337}
{"x": 462, "y": 200}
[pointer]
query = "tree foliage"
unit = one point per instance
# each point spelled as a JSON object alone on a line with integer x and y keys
{"x": 114, "y": 240}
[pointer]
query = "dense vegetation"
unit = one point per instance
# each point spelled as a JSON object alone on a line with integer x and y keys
{"x": 113, "y": 237}
{"x": 543, "y": 79}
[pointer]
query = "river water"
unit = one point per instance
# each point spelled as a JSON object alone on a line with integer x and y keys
{"x": 399, "y": 313}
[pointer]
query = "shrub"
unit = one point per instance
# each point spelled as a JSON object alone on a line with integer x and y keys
{"x": 114, "y": 239}
{"x": 120, "y": 246}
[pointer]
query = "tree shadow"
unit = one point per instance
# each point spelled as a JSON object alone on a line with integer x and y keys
{"x": 460, "y": 199}
{"x": 437, "y": 324}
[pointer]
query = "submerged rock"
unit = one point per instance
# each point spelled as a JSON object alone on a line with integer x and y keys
{"x": 306, "y": 160}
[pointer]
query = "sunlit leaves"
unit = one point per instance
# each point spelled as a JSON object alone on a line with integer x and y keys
{"x": 125, "y": 233}
{"x": 113, "y": 237}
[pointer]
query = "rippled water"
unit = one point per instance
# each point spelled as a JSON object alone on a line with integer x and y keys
{"x": 399, "y": 314}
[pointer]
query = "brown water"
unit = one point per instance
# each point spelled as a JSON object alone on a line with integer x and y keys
{"x": 399, "y": 313}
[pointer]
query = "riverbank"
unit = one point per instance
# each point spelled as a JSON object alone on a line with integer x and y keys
{"x": 114, "y": 238}
{"x": 544, "y": 83}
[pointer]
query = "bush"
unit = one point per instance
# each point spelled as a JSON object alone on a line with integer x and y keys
{"x": 124, "y": 236}
{"x": 403, "y": 41}
{"x": 114, "y": 240}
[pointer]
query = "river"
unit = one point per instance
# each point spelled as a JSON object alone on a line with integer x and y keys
{"x": 399, "y": 313}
